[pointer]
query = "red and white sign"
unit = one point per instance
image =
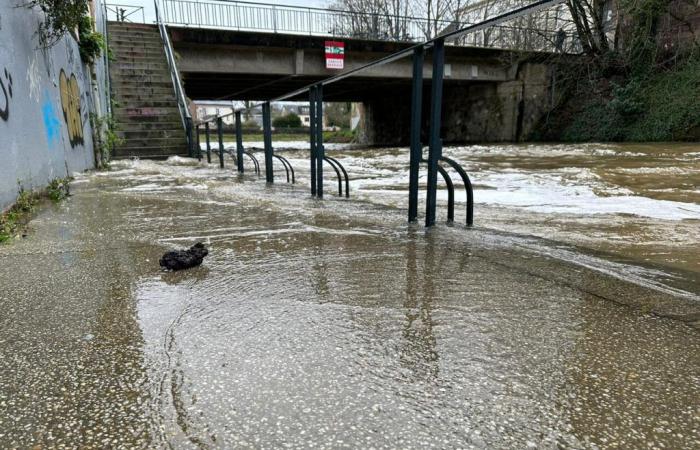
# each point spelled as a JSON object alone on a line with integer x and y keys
{"x": 335, "y": 55}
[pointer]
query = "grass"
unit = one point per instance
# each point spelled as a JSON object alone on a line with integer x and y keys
{"x": 13, "y": 222}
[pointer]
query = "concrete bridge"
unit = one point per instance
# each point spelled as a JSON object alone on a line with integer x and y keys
{"x": 490, "y": 94}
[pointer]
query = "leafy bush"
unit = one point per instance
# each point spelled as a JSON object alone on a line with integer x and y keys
{"x": 250, "y": 125}
{"x": 62, "y": 16}
{"x": 290, "y": 120}
{"x": 91, "y": 42}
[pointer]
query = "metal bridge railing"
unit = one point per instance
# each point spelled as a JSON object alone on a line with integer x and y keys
{"x": 246, "y": 16}
{"x": 260, "y": 17}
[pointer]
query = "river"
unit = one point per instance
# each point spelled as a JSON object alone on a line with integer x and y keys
{"x": 334, "y": 324}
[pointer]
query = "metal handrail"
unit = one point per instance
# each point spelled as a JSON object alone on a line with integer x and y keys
{"x": 119, "y": 11}
{"x": 243, "y": 15}
{"x": 174, "y": 73}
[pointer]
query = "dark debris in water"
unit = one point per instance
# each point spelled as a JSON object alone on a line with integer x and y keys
{"x": 184, "y": 259}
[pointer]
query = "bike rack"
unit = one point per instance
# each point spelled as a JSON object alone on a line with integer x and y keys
{"x": 467, "y": 187}
{"x": 287, "y": 166}
{"x": 338, "y": 168}
{"x": 255, "y": 161}
{"x": 450, "y": 194}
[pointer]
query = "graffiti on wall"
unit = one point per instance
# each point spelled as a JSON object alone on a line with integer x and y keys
{"x": 52, "y": 124}
{"x": 5, "y": 94}
{"x": 70, "y": 102}
{"x": 34, "y": 78}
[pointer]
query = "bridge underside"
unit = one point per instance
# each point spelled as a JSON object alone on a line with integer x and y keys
{"x": 218, "y": 86}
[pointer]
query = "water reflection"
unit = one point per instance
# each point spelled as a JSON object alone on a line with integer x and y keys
{"x": 419, "y": 346}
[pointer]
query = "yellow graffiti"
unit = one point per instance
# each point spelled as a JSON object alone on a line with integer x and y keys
{"x": 70, "y": 101}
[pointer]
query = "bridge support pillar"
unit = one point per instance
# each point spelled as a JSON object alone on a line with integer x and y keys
{"x": 220, "y": 132}
{"x": 206, "y": 131}
{"x": 416, "y": 145}
{"x": 239, "y": 142}
{"x": 312, "y": 137}
{"x": 435, "y": 143}
{"x": 267, "y": 138}
{"x": 320, "y": 151}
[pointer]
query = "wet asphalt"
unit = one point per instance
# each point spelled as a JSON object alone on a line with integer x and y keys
{"x": 325, "y": 325}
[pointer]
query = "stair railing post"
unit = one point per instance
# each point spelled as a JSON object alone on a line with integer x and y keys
{"x": 312, "y": 137}
{"x": 267, "y": 137}
{"x": 435, "y": 144}
{"x": 220, "y": 132}
{"x": 206, "y": 131}
{"x": 320, "y": 151}
{"x": 199, "y": 144}
{"x": 190, "y": 140}
{"x": 416, "y": 145}
{"x": 239, "y": 142}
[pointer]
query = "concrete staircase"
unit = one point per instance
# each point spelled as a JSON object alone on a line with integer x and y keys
{"x": 146, "y": 114}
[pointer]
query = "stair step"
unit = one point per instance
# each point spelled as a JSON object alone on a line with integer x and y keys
{"x": 172, "y": 133}
{"x": 156, "y": 142}
{"x": 144, "y": 68}
{"x": 142, "y": 80}
{"x": 119, "y": 45}
{"x": 151, "y": 126}
{"x": 139, "y": 56}
{"x": 150, "y": 152}
{"x": 129, "y": 121}
{"x": 164, "y": 83}
{"x": 147, "y": 103}
{"x": 131, "y": 26}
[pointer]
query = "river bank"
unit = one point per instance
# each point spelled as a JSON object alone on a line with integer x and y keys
{"x": 659, "y": 105}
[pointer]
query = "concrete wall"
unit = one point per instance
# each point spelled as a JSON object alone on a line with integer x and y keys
{"x": 478, "y": 112}
{"x": 45, "y": 99}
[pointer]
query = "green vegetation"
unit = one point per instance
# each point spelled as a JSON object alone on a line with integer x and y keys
{"x": 643, "y": 88}
{"x": 15, "y": 219}
{"x": 91, "y": 43}
{"x": 62, "y": 16}
{"x": 290, "y": 120}
{"x": 105, "y": 129}
{"x": 59, "y": 189}
{"x": 658, "y": 106}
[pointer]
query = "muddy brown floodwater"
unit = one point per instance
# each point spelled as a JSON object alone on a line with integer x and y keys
{"x": 334, "y": 324}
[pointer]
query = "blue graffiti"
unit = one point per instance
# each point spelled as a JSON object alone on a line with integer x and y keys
{"x": 52, "y": 125}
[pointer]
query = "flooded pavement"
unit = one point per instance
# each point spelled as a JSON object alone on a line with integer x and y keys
{"x": 334, "y": 324}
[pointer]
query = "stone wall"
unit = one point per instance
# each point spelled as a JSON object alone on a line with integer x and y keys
{"x": 45, "y": 104}
{"x": 503, "y": 111}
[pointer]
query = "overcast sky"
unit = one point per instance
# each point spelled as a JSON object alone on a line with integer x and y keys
{"x": 148, "y": 5}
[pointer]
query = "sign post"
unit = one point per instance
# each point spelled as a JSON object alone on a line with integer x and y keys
{"x": 335, "y": 55}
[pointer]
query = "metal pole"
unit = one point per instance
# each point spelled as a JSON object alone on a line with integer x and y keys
{"x": 239, "y": 142}
{"x": 220, "y": 130}
{"x": 267, "y": 136}
{"x": 435, "y": 151}
{"x": 190, "y": 143}
{"x": 206, "y": 131}
{"x": 416, "y": 145}
{"x": 312, "y": 137}
{"x": 199, "y": 145}
{"x": 320, "y": 151}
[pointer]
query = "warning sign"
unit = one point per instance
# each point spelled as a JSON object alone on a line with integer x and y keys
{"x": 335, "y": 55}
